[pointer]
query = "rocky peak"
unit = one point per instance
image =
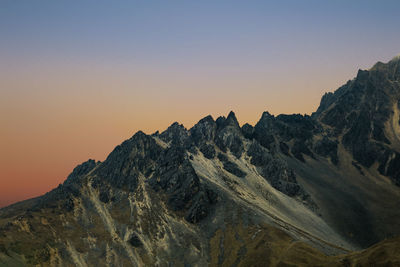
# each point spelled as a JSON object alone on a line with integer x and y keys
{"x": 204, "y": 130}
{"x": 263, "y": 130}
{"x": 229, "y": 135}
{"x": 266, "y": 115}
{"x": 362, "y": 74}
{"x": 176, "y": 133}
{"x": 81, "y": 170}
{"x": 266, "y": 122}
{"x": 390, "y": 70}
{"x": 124, "y": 164}
{"x": 360, "y": 110}
{"x": 207, "y": 120}
{"x": 231, "y": 120}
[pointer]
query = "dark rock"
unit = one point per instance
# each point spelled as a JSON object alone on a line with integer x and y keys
{"x": 327, "y": 148}
{"x": 270, "y": 131}
{"x": 231, "y": 120}
{"x": 63, "y": 194}
{"x": 62, "y": 197}
{"x": 3, "y": 249}
{"x": 134, "y": 156}
{"x": 259, "y": 155}
{"x": 264, "y": 130}
{"x": 248, "y": 131}
{"x": 176, "y": 134}
{"x": 204, "y": 130}
{"x": 68, "y": 205}
{"x": 234, "y": 169}
{"x": 296, "y": 126}
{"x": 135, "y": 241}
{"x": 81, "y": 170}
{"x": 359, "y": 110}
{"x": 274, "y": 170}
{"x": 208, "y": 150}
{"x": 326, "y": 101}
{"x": 220, "y": 121}
{"x": 231, "y": 166}
{"x": 284, "y": 148}
{"x": 230, "y": 141}
{"x": 222, "y": 157}
{"x": 103, "y": 196}
{"x": 176, "y": 177}
{"x": 358, "y": 167}
{"x": 390, "y": 166}
{"x": 229, "y": 135}
{"x": 393, "y": 169}
{"x": 299, "y": 148}
{"x": 201, "y": 206}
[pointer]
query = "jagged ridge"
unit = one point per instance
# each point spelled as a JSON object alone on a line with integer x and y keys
{"x": 167, "y": 194}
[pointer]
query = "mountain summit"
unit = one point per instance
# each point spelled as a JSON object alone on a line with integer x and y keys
{"x": 290, "y": 190}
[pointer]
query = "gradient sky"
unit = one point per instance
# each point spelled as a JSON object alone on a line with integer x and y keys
{"x": 79, "y": 77}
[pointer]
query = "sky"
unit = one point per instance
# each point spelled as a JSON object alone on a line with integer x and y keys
{"x": 79, "y": 77}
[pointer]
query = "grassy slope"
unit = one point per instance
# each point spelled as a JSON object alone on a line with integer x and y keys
{"x": 268, "y": 246}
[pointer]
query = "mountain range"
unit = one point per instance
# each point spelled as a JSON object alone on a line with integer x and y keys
{"x": 291, "y": 190}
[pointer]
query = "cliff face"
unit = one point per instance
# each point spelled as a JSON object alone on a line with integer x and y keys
{"x": 289, "y": 189}
{"x": 364, "y": 115}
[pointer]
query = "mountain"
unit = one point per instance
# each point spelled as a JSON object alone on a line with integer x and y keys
{"x": 291, "y": 190}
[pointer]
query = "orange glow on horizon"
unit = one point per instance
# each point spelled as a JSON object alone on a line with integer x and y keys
{"x": 54, "y": 119}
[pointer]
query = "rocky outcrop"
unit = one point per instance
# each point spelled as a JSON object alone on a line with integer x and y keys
{"x": 81, "y": 170}
{"x": 62, "y": 196}
{"x": 274, "y": 170}
{"x": 175, "y": 134}
{"x": 231, "y": 166}
{"x": 328, "y": 148}
{"x": 203, "y": 135}
{"x": 135, "y": 156}
{"x": 359, "y": 111}
{"x": 229, "y": 135}
{"x": 177, "y": 179}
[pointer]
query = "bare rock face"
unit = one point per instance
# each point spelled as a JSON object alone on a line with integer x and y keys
{"x": 203, "y": 135}
{"x": 176, "y": 134}
{"x": 230, "y": 166}
{"x": 61, "y": 197}
{"x": 81, "y": 170}
{"x": 177, "y": 179}
{"x": 264, "y": 131}
{"x": 274, "y": 170}
{"x": 328, "y": 148}
{"x": 127, "y": 161}
{"x": 291, "y": 188}
{"x": 204, "y": 130}
{"x": 229, "y": 136}
{"x": 359, "y": 112}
